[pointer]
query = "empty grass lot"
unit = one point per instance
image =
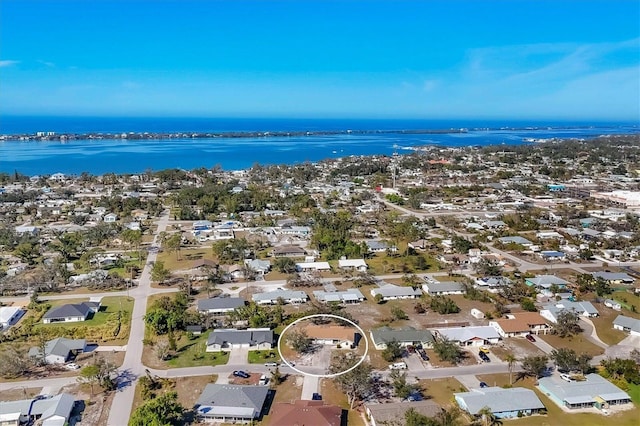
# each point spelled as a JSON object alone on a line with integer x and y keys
{"x": 260, "y": 357}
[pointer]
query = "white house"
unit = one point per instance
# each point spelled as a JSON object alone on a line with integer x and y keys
{"x": 521, "y": 324}
{"x": 394, "y": 292}
{"x": 349, "y": 296}
{"x": 9, "y": 315}
{"x": 228, "y": 339}
{"x": 470, "y": 336}
{"x": 312, "y": 266}
{"x": 437, "y": 288}
{"x": 52, "y": 411}
{"x": 610, "y": 303}
{"x": 59, "y": 350}
{"x": 287, "y": 296}
{"x": 71, "y": 312}
{"x": 110, "y": 218}
{"x": 628, "y": 324}
{"x": 357, "y": 264}
{"x": 584, "y": 309}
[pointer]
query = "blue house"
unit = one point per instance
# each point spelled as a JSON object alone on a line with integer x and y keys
{"x": 503, "y": 403}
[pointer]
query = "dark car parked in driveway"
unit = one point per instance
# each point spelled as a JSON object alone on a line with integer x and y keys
{"x": 484, "y": 357}
{"x": 423, "y": 354}
{"x": 531, "y": 338}
{"x": 240, "y": 373}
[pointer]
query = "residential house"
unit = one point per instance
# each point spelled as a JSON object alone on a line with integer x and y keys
{"x": 521, "y": 324}
{"x": 549, "y": 235}
{"x": 584, "y": 309}
{"x": 71, "y": 312}
{"x": 261, "y": 267}
{"x": 26, "y": 230}
{"x": 610, "y": 303}
{"x": 323, "y": 334}
{"x": 404, "y": 336}
{"x": 349, "y": 296}
{"x": 394, "y": 292}
{"x": 59, "y": 350}
{"x": 469, "y": 336}
{"x": 54, "y": 411}
{"x": 628, "y": 324}
{"x": 546, "y": 281}
{"x": 353, "y": 264}
{"x": 231, "y": 403}
{"x": 516, "y": 240}
{"x": 110, "y": 218}
{"x": 552, "y": 255}
{"x": 391, "y": 413}
{"x": 220, "y": 305}
{"x": 493, "y": 284}
{"x": 288, "y": 251}
{"x": 9, "y": 315}
{"x": 287, "y": 296}
{"x": 503, "y": 403}
{"x": 595, "y": 391}
{"x": 226, "y": 339}
{"x": 376, "y": 246}
{"x": 615, "y": 278}
{"x": 312, "y": 266}
{"x": 421, "y": 244}
{"x": 202, "y": 225}
{"x": 298, "y": 413}
{"x": 445, "y": 288}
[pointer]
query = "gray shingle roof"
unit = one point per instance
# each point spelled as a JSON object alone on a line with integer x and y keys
{"x": 220, "y": 303}
{"x": 60, "y": 346}
{"x": 445, "y": 286}
{"x": 613, "y": 276}
{"x": 69, "y": 310}
{"x": 390, "y": 290}
{"x": 408, "y": 334}
{"x": 627, "y": 322}
{"x": 59, "y": 405}
{"x": 284, "y": 294}
{"x": 499, "y": 400}
{"x": 253, "y": 337}
{"x": 585, "y": 391}
{"x": 244, "y": 401}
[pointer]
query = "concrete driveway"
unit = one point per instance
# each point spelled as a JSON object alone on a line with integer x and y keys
{"x": 238, "y": 356}
{"x": 414, "y": 362}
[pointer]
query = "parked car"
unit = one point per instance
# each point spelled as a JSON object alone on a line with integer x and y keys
{"x": 270, "y": 364}
{"x": 72, "y": 366}
{"x": 398, "y": 366}
{"x": 263, "y": 380}
{"x": 316, "y": 397}
{"x": 530, "y": 338}
{"x": 484, "y": 357}
{"x": 484, "y": 349}
{"x": 423, "y": 355}
{"x": 411, "y": 349}
{"x": 484, "y": 385}
{"x": 566, "y": 377}
{"x": 240, "y": 373}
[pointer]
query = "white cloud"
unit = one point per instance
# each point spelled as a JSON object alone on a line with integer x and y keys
{"x": 8, "y": 63}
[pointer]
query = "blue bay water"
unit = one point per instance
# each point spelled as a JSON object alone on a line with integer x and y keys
{"x": 134, "y": 156}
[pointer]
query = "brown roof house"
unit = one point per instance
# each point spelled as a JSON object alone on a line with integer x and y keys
{"x": 521, "y": 324}
{"x": 332, "y": 335}
{"x": 307, "y": 413}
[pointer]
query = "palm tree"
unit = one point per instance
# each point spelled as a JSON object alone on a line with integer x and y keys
{"x": 510, "y": 359}
{"x": 487, "y": 418}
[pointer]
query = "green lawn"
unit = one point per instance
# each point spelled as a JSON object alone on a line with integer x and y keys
{"x": 634, "y": 393}
{"x": 109, "y": 305}
{"x": 260, "y": 357}
{"x": 191, "y": 353}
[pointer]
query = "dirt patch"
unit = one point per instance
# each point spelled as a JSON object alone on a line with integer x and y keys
{"x": 95, "y": 409}
{"x": 519, "y": 347}
{"x": 19, "y": 393}
{"x": 578, "y": 343}
{"x": 190, "y": 388}
{"x": 251, "y": 380}
{"x": 467, "y": 358}
{"x": 441, "y": 390}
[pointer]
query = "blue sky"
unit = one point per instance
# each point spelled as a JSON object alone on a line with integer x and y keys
{"x": 376, "y": 59}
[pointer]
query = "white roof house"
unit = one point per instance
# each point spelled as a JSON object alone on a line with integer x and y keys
{"x": 358, "y": 264}
{"x": 272, "y": 297}
{"x": 593, "y": 391}
{"x": 629, "y": 324}
{"x": 393, "y": 292}
{"x": 54, "y": 411}
{"x": 9, "y": 315}
{"x": 352, "y": 295}
{"x": 470, "y": 336}
{"x": 584, "y": 309}
{"x": 313, "y": 266}
{"x": 503, "y": 403}
{"x": 437, "y": 288}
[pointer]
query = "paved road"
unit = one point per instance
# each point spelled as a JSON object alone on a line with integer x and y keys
{"x": 132, "y": 365}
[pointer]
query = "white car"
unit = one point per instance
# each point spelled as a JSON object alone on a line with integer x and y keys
{"x": 398, "y": 366}
{"x": 72, "y": 366}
